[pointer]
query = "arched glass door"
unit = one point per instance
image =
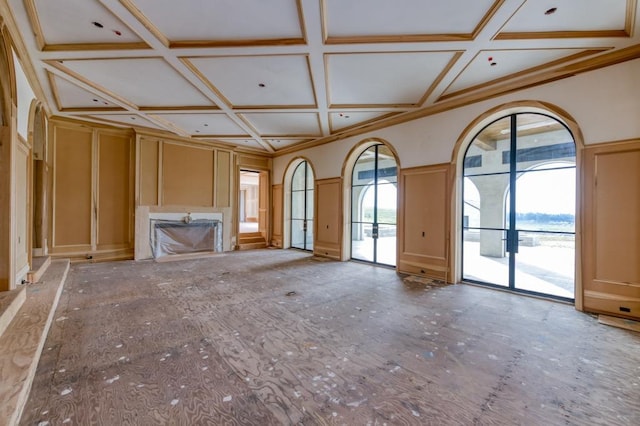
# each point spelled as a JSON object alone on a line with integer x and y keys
{"x": 374, "y": 206}
{"x": 519, "y": 206}
{"x": 302, "y": 207}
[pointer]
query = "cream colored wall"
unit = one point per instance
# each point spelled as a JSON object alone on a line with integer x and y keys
{"x": 605, "y": 103}
{"x": 25, "y": 96}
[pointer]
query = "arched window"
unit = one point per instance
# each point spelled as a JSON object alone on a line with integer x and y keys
{"x": 302, "y": 207}
{"x": 519, "y": 187}
{"x": 374, "y": 206}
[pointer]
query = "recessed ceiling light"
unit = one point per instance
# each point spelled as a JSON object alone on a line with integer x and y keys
{"x": 551, "y": 11}
{"x": 97, "y": 24}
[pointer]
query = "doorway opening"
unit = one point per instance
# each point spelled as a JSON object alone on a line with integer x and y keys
{"x": 374, "y": 205}
{"x": 252, "y": 209}
{"x": 519, "y": 198}
{"x": 39, "y": 183}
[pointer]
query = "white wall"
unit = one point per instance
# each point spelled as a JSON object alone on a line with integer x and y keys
{"x": 25, "y": 96}
{"x": 605, "y": 103}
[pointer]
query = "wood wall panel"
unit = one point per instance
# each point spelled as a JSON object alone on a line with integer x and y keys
{"x": 328, "y": 218}
{"x": 264, "y": 200}
{"x": 92, "y": 197}
{"x": 223, "y": 179}
{"x": 115, "y": 201}
{"x": 187, "y": 175}
{"x": 611, "y": 269}
{"x": 22, "y": 207}
{"x": 277, "y": 210}
{"x": 423, "y": 221}
{"x": 148, "y": 172}
{"x": 253, "y": 162}
{"x": 72, "y": 188}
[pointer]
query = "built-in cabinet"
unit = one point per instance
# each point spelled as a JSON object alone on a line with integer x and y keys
{"x": 611, "y": 237}
{"x": 328, "y": 218}
{"x": 423, "y": 221}
{"x": 92, "y": 187}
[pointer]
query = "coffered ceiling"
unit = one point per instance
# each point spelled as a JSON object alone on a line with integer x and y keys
{"x": 270, "y": 75}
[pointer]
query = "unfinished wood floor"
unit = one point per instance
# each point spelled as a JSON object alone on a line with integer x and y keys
{"x": 218, "y": 341}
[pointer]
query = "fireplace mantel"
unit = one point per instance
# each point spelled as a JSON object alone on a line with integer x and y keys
{"x": 145, "y": 215}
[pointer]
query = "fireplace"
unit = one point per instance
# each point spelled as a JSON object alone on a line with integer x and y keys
{"x": 185, "y": 236}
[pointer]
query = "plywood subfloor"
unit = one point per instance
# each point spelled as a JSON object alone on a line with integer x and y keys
{"x": 21, "y": 344}
{"x": 218, "y": 341}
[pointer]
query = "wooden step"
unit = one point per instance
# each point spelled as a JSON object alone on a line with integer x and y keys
{"x": 39, "y": 266}
{"x": 251, "y": 241}
{"x": 10, "y": 303}
{"x": 248, "y": 240}
{"x": 249, "y": 234}
{"x": 252, "y": 246}
{"x": 24, "y": 338}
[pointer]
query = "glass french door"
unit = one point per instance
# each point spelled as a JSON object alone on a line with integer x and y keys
{"x": 302, "y": 207}
{"x": 519, "y": 206}
{"x": 374, "y": 206}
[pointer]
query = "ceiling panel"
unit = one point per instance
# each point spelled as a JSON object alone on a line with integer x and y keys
{"x": 198, "y": 20}
{"x": 79, "y": 21}
{"x": 283, "y": 143}
{"x": 343, "y": 120}
{"x": 276, "y": 80}
{"x": 247, "y": 143}
{"x": 496, "y": 64}
{"x": 70, "y": 95}
{"x": 148, "y": 82}
{"x": 285, "y": 70}
{"x": 284, "y": 124}
{"x": 204, "y": 124}
{"x": 351, "y": 18}
{"x": 130, "y": 120}
{"x": 568, "y": 15}
{"x": 388, "y": 78}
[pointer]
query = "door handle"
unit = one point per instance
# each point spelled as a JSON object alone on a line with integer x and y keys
{"x": 513, "y": 238}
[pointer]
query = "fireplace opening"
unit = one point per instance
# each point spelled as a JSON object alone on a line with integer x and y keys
{"x": 170, "y": 237}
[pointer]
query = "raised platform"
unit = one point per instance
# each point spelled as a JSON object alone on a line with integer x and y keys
{"x": 39, "y": 266}
{"x": 10, "y": 303}
{"x": 24, "y": 338}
